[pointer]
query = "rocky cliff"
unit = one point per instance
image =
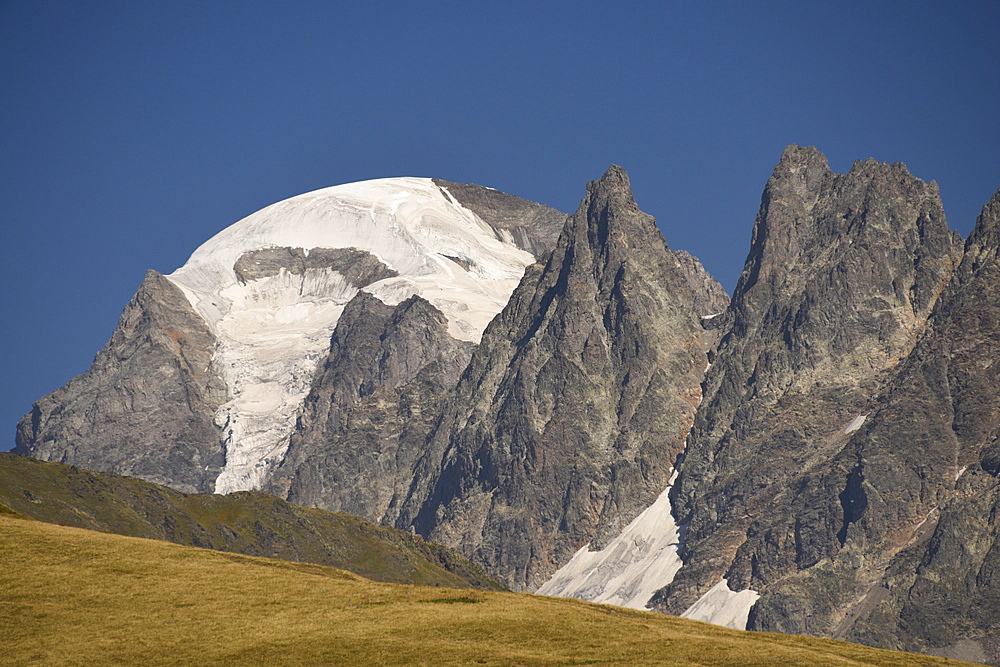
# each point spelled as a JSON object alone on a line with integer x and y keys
{"x": 371, "y": 408}
{"x": 836, "y": 466}
{"x": 574, "y": 407}
{"x": 146, "y": 405}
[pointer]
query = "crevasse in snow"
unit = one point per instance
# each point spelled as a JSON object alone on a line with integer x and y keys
{"x": 273, "y": 332}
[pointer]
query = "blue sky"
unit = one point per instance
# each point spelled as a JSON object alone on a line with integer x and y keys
{"x": 131, "y": 132}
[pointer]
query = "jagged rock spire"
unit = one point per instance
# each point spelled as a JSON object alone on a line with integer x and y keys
{"x": 575, "y": 406}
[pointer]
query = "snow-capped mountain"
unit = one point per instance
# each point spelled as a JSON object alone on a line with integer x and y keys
{"x": 271, "y": 288}
{"x": 581, "y": 409}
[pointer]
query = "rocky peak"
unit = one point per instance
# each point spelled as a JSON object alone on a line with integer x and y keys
{"x": 146, "y": 406}
{"x": 906, "y": 510}
{"x": 576, "y": 403}
{"x": 842, "y": 275}
{"x": 370, "y": 407}
{"x": 983, "y": 245}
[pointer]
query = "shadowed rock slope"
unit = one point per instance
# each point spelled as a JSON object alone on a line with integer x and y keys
{"x": 575, "y": 405}
{"x": 532, "y": 227}
{"x": 247, "y": 522}
{"x": 146, "y": 405}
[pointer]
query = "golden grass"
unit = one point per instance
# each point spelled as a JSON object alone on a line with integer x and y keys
{"x": 77, "y": 597}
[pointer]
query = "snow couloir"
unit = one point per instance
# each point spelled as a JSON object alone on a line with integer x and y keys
{"x": 641, "y": 560}
{"x": 274, "y": 329}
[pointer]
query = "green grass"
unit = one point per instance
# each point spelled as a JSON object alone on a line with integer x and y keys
{"x": 76, "y": 597}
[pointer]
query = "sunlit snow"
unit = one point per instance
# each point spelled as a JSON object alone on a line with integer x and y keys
{"x": 855, "y": 424}
{"x": 721, "y": 606}
{"x": 273, "y": 332}
{"x": 641, "y": 560}
{"x": 637, "y": 563}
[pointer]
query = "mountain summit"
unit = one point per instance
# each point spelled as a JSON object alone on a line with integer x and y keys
{"x": 265, "y": 295}
{"x": 582, "y": 410}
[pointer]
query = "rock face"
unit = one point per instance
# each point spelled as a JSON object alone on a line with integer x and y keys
{"x": 530, "y": 226}
{"x": 359, "y": 268}
{"x": 930, "y": 458}
{"x": 146, "y": 406}
{"x": 369, "y": 412}
{"x": 840, "y": 463}
{"x": 575, "y": 405}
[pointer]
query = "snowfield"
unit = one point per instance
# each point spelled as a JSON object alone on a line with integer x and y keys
{"x": 640, "y": 561}
{"x": 273, "y": 332}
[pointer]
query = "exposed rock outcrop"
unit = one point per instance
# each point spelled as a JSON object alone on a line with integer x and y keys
{"x": 576, "y": 403}
{"x": 842, "y": 274}
{"x": 146, "y": 406}
{"x": 530, "y": 226}
{"x": 930, "y": 474}
{"x": 370, "y": 409}
{"x": 359, "y": 268}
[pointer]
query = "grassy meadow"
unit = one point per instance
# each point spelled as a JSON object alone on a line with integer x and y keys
{"x": 75, "y": 597}
{"x": 246, "y": 522}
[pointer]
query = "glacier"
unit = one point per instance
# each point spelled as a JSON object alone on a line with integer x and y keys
{"x": 272, "y": 332}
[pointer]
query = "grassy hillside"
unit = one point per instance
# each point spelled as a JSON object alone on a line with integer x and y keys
{"x": 249, "y": 523}
{"x": 70, "y": 596}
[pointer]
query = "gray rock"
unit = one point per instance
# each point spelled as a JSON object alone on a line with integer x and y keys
{"x": 359, "y": 268}
{"x": 145, "y": 408}
{"x": 371, "y": 407}
{"x": 930, "y": 456}
{"x": 842, "y": 275}
{"x": 532, "y": 227}
{"x": 576, "y": 403}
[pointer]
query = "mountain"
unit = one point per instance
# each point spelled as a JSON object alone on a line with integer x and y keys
{"x": 581, "y": 409}
{"x": 147, "y": 406}
{"x": 577, "y": 401}
{"x": 247, "y": 522}
{"x": 846, "y": 417}
{"x": 201, "y": 385}
{"x": 371, "y": 408}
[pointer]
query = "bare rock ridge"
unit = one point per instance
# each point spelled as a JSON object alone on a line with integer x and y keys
{"x": 530, "y": 226}
{"x": 358, "y": 267}
{"x": 839, "y": 449}
{"x": 370, "y": 409}
{"x": 146, "y": 406}
{"x": 930, "y": 464}
{"x": 576, "y": 403}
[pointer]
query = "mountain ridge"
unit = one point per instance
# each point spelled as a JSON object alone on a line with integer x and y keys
{"x": 833, "y": 426}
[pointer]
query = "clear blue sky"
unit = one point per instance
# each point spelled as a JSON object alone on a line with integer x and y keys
{"x": 131, "y": 132}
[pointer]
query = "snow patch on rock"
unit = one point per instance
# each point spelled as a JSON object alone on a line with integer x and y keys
{"x": 855, "y": 424}
{"x": 641, "y": 560}
{"x": 721, "y": 606}
{"x": 273, "y": 332}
